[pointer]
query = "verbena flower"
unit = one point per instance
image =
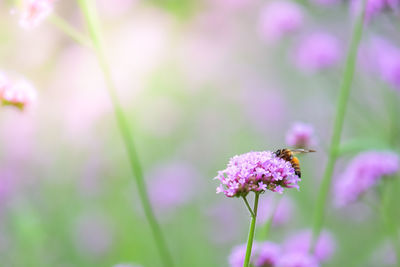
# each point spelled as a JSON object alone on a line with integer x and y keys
{"x": 317, "y": 51}
{"x": 34, "y": 12}
{"x": 171, "y": 185}
{"x": 301, "y": 243}
{"x": 268, "y": 254}
{"x": 374, "y": 7}
{"x": 257, "y": 172}
{"x": 282, "y": 212}
{"x": 300, "y": 135}
{"x": 280, "y": 18}
{"x": 383, "y": 57}
{"x": 297, "y": 259}
{"x": 236, "y": 258}
{"x": 263, "y": 254}
{"x": 364, "y": 172}
{"x": 19, "y": 93}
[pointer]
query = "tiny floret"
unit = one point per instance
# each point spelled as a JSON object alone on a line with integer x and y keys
{"x": 18, "y": 93}
{"x": 257, "y": 172}
{"x": 34, "y": 12}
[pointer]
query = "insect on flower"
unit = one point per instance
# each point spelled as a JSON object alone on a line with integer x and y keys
{"x": 288, "y": 155}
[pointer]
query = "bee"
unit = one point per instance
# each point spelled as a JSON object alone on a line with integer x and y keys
{"x": 288, "y": 155}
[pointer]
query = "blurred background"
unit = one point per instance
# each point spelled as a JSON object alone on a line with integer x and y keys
{"x": 200, "y": 81}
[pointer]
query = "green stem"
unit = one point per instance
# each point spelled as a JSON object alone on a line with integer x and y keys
{"x": 248, "y": 206}
{"x": 389, "y": 224}
{"x": 251, "y": 231}
{"x": 89, "y": 11}
{"x": 338, "y": 125}
{"x": 65, "y": 27}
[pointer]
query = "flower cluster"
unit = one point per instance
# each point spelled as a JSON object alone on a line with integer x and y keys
{"x": 34, "y": 12}
{"x": 383, "y": 58}
{"x": 363, "y": 172}
{"x": 318, "y": 51}
{"x": 280, "y": 18}
{"x": 19, "y": 93}
{"x": 257, "y": 172}
{"x": 374, "y": 7}
{"x": 272, "y": 255}
{"x": 300, "y": 135}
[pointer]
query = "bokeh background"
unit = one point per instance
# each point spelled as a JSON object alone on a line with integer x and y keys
{"x": 200, "y": 81}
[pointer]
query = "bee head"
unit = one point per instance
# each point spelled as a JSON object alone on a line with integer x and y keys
{"x": 278, "y": 152}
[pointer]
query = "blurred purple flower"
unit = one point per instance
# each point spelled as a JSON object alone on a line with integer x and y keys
{"x": 364, "y": 172}
{"x": 34, "y": 12}
{"x": 279, "y": 18}
{"x": 385, "y": 255}
{"x": 383, "y": 57}
{"x": 253, "y": 171}
{"x": 224, "y": 222}
{"x": 236, "y": 258}
{"x": 374, "y": 7}
{"x": 93, "y": 235}
{"x": 300, "y": 135}
{"x": 171, "y": 185}
{"x": 283, "y": 211}
{"x": 301, "y": 242}
{"x": 317, "y": 51}
{"x": 268, "y": 254}
{"x": 297, "y": 259}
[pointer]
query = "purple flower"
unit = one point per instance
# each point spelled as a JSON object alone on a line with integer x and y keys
{"x": 317, "y": 51}
{"x": 171, "y": 185}
{"x": 301, "y": 242}
{"x": 279, "y": 18}
{"x": 268, "y": 254}
{"x": 383, "y": 57}
{"x": 300, "y": 135}
{"x": 363, "y": 172}
{"x": 297, "y": 259}
{"x": 236, "y": 258}
{"x": 283, "y": 211}
{"x": 246, "y": 172}
{"x": 374, "y": 7}
{"x": 263, "y": 255}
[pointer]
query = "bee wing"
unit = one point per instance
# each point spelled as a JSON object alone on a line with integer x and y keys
{"x": 300, "y": 150}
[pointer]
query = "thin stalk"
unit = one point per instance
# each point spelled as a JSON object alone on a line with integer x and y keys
{"x": 341, "y": 107}
{"x": 387, "y": 219}
{"x": 65, "y": 27}
{"x": 248, "y": 206}
{"x": 251, "y": 232}
{"x": 89, "y": 12}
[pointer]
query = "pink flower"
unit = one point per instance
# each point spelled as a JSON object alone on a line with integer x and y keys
{"x": 282, "y": 212}
{"x": 236, "y": 258}
{"x": 268, "y": 254}
{"x": 172, "y": 185}
{"x": 374, "y": 7}
{"x": 253, "y": 170}
{"x": 297, "y": 259}
{"x": 301, "y": 242}
{"x": 317, "y": 51}
{"x": 18, "y": 93}
{"x": 280, "y": 18}
{"x": 34, "y": 12}
{"x": 300, "y": 135}
{"x": 364, "y": 172}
